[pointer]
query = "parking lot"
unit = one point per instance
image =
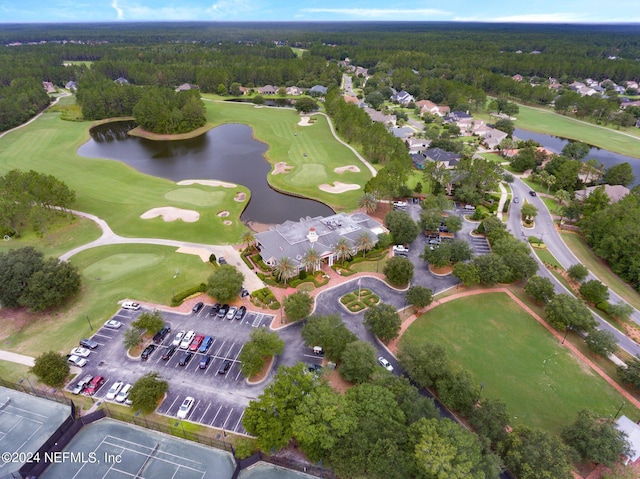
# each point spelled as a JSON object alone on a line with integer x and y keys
{"x": 220, "y": 396}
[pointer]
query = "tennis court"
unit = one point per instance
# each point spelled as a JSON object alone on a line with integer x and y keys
{"x": 269, "y": 471}
{"x": 109, "y": 449}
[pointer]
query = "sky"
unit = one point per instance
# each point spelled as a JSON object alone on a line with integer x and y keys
{"x": 538, "y": 11}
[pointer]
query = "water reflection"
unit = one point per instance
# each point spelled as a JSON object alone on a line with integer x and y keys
{"x": 228, "y": 153}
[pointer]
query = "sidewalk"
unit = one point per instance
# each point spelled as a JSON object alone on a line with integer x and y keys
{"x": 16, "y": 358}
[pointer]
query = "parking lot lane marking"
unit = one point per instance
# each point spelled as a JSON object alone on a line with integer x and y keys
{"x": 257, "y": 320}
{"x": 224, "y": 425}
{"x": 216, "y": 416}
{"x": 205, "y": 412}
{"x": 238, "y": 375}
{"x": 174, "y": 401}
{"x": 228, "y": 355}
{"x": 217, "y": 355}
{"x": 239, "y": 423}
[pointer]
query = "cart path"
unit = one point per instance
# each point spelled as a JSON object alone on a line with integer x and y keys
{"x": 393, "y": 345}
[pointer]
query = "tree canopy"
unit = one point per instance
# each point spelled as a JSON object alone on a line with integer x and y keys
{"x": 383, "y": 320}
{"x": 51, "y": 368}
{"x": 261, "y": 346}
{"x": 225, "y": 283}
{"x": 146, "y": 393}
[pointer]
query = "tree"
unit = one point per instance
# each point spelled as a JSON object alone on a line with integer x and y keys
{"x": 506, "y": 125}
{"x": 565, "y": 311}
{"x": 596, "y": 439}
{"x": 578, "y": 272}
{"x": 285, "y": 269}
{"x": 342, "y": 250}
{"x": 467, "y": 273}
{"x": 630, "y": 372}
{"x": 576, "y": 150}
{"x": 147, "y": 392}
{"x": 602, "y": 343}
{"x": 620, "y": 174}
{"x": 453, "y": 223}
{"x": 594, "y": 291}
{"x": 364, "y": 242}
{"x": 491, "y": 269}
{"x": 311, "y": 260}
{"x": 562, "y": 196}
{"x": 297, "y": 305}
{"x": 329, "y": 332}
{"x": 306, "y": 104}
{"x": 262, "y": 345}
{"x": 383, "y": 321}
{"x": 399, "y": 270}
{"x": 413, "y": 404}
{"x": 151, "y": 322}
{"x": 51, "y": 285}
{"x": 535, "y": 454}
{"x": 459, "y": 391}
{"x": 490, "y": 419}
{"x": 541, "y": 289}
{"x": 419, "y": 297}
{"x": 132, "y": 337}
{"x": 620, "y": 311}
{"x": 51, "y": 368}
{"x": 368, "y": 203}
{"x": 529, "y": 212}
{"x": 425, "y": 363}
{"x": 597, "y": 201}
{"x": 401, "y": 226}
{"x": 225, "y": 283}
{"x": 270, "y": 418}
{"x": 374, "y": 99}
{"x": 547, "y": 179}
{"x": 358, "y": 362}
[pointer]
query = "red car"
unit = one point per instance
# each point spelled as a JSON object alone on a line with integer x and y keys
{"x": 94, "y": 385}
{"x": 197, "y": 341}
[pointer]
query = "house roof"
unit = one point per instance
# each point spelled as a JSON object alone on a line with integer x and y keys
{"x": 614, "y": 192}
{"x": 319, "y": 89}
{"x": 379, "y": 117}
{"x": 440, "y": 155}
{"x": 403, "y": 132}
{"x": 632, "y": 430}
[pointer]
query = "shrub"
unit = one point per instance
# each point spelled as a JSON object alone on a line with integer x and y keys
{"x": 480, "y": 213}
{"x": 302, "y": 274}
{"x": 212, "y": 258}
{"x": 182, "y": 295}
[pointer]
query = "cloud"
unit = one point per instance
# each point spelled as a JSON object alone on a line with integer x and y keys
{"x": 558, "y": 17}
{"x": 227, "y": 8}
{"x": 119, "y": 11}
{"x": 381, "y": 12}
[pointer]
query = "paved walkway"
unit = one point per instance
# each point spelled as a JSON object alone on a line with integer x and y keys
{"x": 504, "y": 194}
{"x": 16, "y": 358}
{"x": 393, "y": 346}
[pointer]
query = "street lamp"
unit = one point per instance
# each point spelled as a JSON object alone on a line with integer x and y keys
{"x": 565, "y": 334}
{"x": 89, "y": 323}
{"x": 620, "y": 409}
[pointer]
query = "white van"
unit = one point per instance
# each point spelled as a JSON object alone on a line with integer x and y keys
{"x": 469, "y": 207}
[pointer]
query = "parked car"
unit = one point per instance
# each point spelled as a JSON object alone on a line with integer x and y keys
{"x": 197, "y": 307}
{"x": 169, "y": 352}
{"x": 112, "y": 324}
{"x": 197, "y": 341}
{"x": 185, "y": 407}
{"x": 214, "y": 309}
{"x": 318, "y": 351}
{"x": 147, "y": 352}
{"x": 178, "y": 338}
{"x": 221, "y": 260}
{"x": 131, "y": 306}
{"x": 399, "y": 205}
{"x": 186, "y": 340}
{"x": 224, "y": 367}
{"x": 124, "y": 393}
{"x": 186, "y": 357}
{"x": 204, "y": 362}
{"x": 244, "y": 292}
{"x": 82, "y": 352}
{"x": 115, "y": 389}
{"x": 76, "y": 361}
{"x": 160, "y": 335}
{"x": 206, "y": 344}
{"x": 516, "y": 200}
{"x": 88, "y": 343}
{"x": 82, "y": 384}
{"x": 315, "y": 368}
{"x": 232, "y": 312}
{"x": 400, "y": 250}
{"x": 385, "y": 364}
{"x": 94, "y": 385}
{"x": 532, "y": 193}
{"x": 224, "y": 309}
{"x": 242, "y": 310}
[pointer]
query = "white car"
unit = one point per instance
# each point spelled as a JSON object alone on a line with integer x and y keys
{"x": 130, "y": 305}
{"x": 115, "y": 389}
{"x": 81, "y": 352}
{"x": 400, "y": 250}
{"x": 76, "y": 361}
{"x": 186, "y": 341}
{"x": 112, "y": 324}
{"x": 385, "y": 364}
{"x": 178, "y": 339}
{"x": 185, "y": 407}
{"x": 124, "y": 393}
{"x": 232, "y": 312}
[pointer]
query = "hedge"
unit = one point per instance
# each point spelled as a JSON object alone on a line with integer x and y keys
{"x": 182, "y": 295}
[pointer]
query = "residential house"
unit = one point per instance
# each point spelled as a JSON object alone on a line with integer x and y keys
{"x": 187, "y": 87}
{"x": 402, "y": 97}
{"x": 587, "y": 91}
{"x": 293, "y": 239}
{"x": 361, "y": 71}
{"x": 121, "y": 81}
{"x": 416, "y": 145}
{"x": 71, "y": 85}
{"x": 244, "y": 90}
{"x": 427, "y": 106}
{"x": 318, "y": 90}
{"x": 49, "y": 87}
{"x": 631, "y": 84}
{"x": 294, "y": 90}
{"x": 379, "y": 117}
{"x": 614, "y": 192}
{"x": 445, "y": 158}
{"x": 517, "y": 77}
{"x": 463, "y": 119}
{"x": 632, "y": 431}
{"x": 351, "y": 99}
{"x": 402, "y": 132}
{"x": 267, "y": 90}
{"x": 493, "y": 138}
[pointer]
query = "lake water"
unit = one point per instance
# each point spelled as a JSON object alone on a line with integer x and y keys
{"x": 608, "y": 158}
{"x": 227, "y": 152}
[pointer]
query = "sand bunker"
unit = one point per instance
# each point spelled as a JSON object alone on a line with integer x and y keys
{"x": 304, "y": 121}
{"x": 227, "y": 223}
{"x": 342, "y": 169}
{"x": 224, "y": 184}
{"x": 223, "y": 214}
{"x": 170, "y": 213}
{"x": 338, "y": 187}
{"x": 203, "y": 253}
{"x": 240, "y": 196}
{"x": 281, "y": 168}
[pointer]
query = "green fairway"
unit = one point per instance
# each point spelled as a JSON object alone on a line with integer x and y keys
{"x": 110, "y": 274}
{"x": 517, "y": 360}
{"x": 311, "y": 150}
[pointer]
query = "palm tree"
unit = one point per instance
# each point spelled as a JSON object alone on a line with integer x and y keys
{"x": 364, "y": 243}
{"x": 368, "y": 203}
{"x": 342, "y": 250}
{"x": 248, "y": 238}
{"x": 311, "y": 260}
{"x": 562, "y": 196}
{"x": 285, "y": 269}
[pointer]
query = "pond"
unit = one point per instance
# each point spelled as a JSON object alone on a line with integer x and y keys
{"x": 606, "y": 157}
{"x": 227, "y": 152}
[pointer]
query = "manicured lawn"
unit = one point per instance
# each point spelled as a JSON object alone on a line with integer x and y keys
{"x": 517, "y": 360}
{"x": 109, "y": 274}
{"x": 546, "y": 256}
{"x": 581, "y": 249}
{"x": 311, "y": 150}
